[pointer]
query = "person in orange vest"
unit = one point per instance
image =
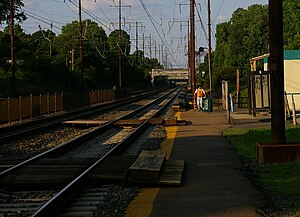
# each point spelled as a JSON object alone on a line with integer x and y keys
{"x": 199, "y": 95}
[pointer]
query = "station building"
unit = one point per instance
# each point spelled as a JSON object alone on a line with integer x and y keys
{"x": 259, "y": 81}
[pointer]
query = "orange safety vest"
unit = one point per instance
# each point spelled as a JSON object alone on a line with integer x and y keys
{"x": 200, "y": 93}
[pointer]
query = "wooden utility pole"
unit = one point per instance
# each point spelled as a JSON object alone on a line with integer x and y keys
{"x": 12, "y": 50}
{"x": 277, "y": 71}
{"x": 237, "y": 86}
{"x": 120, "y": 41}
{"x": 136, "y": 26}
{"x": 209, "y": 48}
{"x": 80, "y": 42}
{"x": 192, "y": 45}
{"x": 150, "y": 46}
{"x": 143, "y": 43}
{"x": 120, "y": 47}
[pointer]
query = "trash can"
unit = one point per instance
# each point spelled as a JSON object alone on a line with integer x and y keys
{"x": 207, "y": 105}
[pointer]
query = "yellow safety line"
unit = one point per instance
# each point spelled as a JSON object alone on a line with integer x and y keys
{"x": 142, "y": 205}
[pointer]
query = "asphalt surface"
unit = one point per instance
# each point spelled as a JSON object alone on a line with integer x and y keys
{"x": 214, "y": 181}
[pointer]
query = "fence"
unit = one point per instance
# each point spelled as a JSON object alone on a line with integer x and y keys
{"x": 17, "y": 109}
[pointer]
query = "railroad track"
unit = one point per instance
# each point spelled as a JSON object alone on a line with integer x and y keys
{"x": 10, "y": 133}
{"x": 57, "y": 169}
{"x": 36, "y": 142}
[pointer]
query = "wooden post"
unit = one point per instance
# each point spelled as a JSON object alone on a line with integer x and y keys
{"x": 253, "y": 95}
{"x": 227, "y": 102}
{"x": 277, "y": 71}
{"x": 237, "y": 86}
{"x": 62, "y": 101}
{"x": 41, "y": 104}
{"x": 9, "y": 110}
{"x": 192, "y": 44}
{"x": 31, "y": 105}
{"x": 48, "y": 103}
{"x": 294, "y": 111}
{"x": 20, "y": 108}
{"x": 55, "y": 103}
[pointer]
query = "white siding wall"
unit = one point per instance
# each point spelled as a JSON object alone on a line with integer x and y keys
{"x": 292, "y": 80}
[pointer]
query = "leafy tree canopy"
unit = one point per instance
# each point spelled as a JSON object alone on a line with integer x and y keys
{"x": 5, "y": 11}
{"x": 246, "y": 35}
{"x": 119, "y": 39}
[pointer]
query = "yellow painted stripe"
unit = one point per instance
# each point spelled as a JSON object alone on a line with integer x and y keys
{"x": 167, "y": 144}
{"x": 143, "y": 203}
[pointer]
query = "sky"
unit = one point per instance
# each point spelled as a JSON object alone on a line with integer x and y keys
{"x": 162, "y": 24}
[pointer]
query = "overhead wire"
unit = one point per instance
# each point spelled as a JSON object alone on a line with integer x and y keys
{"x": 91, "y": 14}
{"x": 212, "y": 26}
{"x": 48, "y": 21}
{"x": 41, "y": 19}
{"x": 201, "y": 22}
{"x": 151, "y": 19}
{"x": 218, "y": 11}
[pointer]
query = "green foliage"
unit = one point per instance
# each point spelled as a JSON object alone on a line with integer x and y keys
{"x": 281, "y": 180}
{"x": 291, "y": 26}
{"x": 245, "y": 36}
{"x": 45, "y": 61}
{"x": 5, "y": 7}
{"x": 119, "y": 40}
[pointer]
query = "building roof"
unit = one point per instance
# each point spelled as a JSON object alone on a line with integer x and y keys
{"x": 291, "y": 54}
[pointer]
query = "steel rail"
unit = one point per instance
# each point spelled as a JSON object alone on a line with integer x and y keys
{"x": 78, "y": 140}
{"x": 62, "y": 198}
{"x": 8, "y": 134}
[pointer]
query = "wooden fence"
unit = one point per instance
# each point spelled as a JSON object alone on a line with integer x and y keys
{"x": 17, "y": 109}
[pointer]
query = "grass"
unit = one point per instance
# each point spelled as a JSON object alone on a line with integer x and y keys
{"x": 282, "y": 181}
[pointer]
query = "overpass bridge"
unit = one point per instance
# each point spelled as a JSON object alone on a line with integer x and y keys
{"x": 169, "y": 76}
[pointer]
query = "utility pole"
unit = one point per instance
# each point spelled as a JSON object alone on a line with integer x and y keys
{"x": 162, "y": 54}
{"x": 80, "y": 42}
{"x": 209, "y": 49}
{"x": 150, "y": 46}
{"x": 192, "y": 45}
{"x": 277, "y": 72}
{"x": 143, "y": 43}
{"x": 12, "y": 50}
{"x": 120, "y": 42}
{"x": 159, "y": 59}
{"x": 136, "y": 26}
{"x": 155, "y": 49}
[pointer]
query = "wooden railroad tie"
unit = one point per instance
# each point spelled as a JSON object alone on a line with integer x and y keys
{"x": 83, "y": 122}
{"x": 127, "y": 123}
{"x": 151, "y": 167}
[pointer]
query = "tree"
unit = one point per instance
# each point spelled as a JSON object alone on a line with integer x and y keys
{"x": 94, "y": 50}
{"x": 244, "y": 36}
{"x": 41, "y": 42}
{"x": 115, "y": 43}
{"x": 118, "y": 41}
{"x": 291, "y": 27}
{"x": 5, "y": 11}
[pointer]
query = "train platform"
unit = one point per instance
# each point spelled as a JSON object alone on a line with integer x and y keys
{"x": 214, "y": 182}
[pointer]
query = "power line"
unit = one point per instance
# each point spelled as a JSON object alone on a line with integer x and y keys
{"x": 151, "y": 19}
{"x": 41, "y": 19}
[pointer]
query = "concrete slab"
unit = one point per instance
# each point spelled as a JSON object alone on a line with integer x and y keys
{"x": 213, "y": 182}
